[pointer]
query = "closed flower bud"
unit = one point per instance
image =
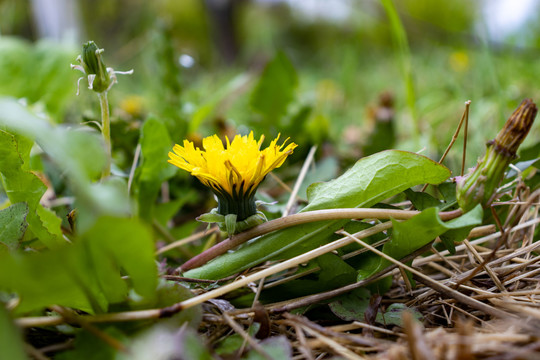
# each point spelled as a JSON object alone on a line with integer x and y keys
{"x": 480, "y": 185}
{"x": 92, "y": 62}
{"x": 100, "y": 78}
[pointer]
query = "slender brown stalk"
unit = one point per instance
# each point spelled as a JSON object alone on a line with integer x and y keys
{"x": 298, "y": 219}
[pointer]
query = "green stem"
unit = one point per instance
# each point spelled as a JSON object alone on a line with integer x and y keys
{"x": 106, "y": 131}
{"x": 400, "y": 38}
{"x": 480, "y": 186}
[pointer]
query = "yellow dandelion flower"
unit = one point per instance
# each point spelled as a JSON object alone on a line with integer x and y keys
{"x": 233, "y": 171}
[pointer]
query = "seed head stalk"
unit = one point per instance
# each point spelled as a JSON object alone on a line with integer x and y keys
{"x": 100, "y": 79}
{"x": 106, "y": 131}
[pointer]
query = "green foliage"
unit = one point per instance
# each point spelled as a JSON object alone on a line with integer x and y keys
{"x": 153, "y": 170}
{"x": 277, "y": 347}
{"x": 10, "y": 338}
{"x": 78, "y": 155}
{"x": 106, "y": 263}
{"x": 87, "y": 346}
{"x": 351, "y": 306}
{"x": 21, "y": 185}
{"x": 418, "y": 231}
{"x": 402, "y": 45}
{"x": 275, "y": 89}
{"x": 44, "y": 65}
{"x": 422, "y": 201}
{"x": 12, "y": 226}
{"x": 165, "y": 342}
{"x": 169, "y": 293}
{"x": 87, "y": 274}
{"x": 394, "y": 314}
{"x": 370, "y": 180}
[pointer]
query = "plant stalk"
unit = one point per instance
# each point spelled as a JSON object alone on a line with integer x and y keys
{"x": 298, "y": 219}
{"x": 106, "y": 131}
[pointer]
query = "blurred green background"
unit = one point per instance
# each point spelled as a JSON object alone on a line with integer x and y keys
{"x": 319, "y": 71}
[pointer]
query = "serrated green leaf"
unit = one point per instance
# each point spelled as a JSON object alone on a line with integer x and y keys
{"x": 369, "y": 181}
{"x": 21, "y": 185}
{"x": 13, "y": 225}
{"x": 275, "y": 89}
{"x": 79, "y": 155}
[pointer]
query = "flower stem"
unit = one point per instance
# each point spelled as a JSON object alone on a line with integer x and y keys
{"x": 302, "y": 218}
{"x": 106, "y": 131}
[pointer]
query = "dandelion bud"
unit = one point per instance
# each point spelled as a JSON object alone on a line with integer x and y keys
{"x": 480, "y": 185}
{"x": 100, "y": 77}
{"x": 92, "y": 62}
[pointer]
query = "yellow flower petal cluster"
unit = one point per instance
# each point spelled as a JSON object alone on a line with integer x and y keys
{"x": 235, "y": 169}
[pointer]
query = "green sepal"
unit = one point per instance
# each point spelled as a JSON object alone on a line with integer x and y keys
{"x": 94, "y": 66}
{"x": 229, "y": 223}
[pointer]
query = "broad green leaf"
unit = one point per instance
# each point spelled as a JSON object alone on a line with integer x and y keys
{"x": 60, "y": 277}
{"x": 448, "y": 191}
{"x": 375, "y": 178}
{"x": 154, "y": 169}
{"x": 163, "y": 212}
{"x": 13, "y": 224}
{"x": 206, "y": 109}
{"x": 277, "y": 347}
{"x": 230, "y": 344}
{"x": 21, "y": 185}
{"x": 422, "y": 201}
{"x": 418, "y": 231}
{"x": 10, "y": 338}
{"x": 324, "y": 170}
{"x": 334, "y": 271}
{"x": 275, "y": 89}
{"x": 86, "y": 275}
{"x": 369, "y": 181}
{"x": 128, "y": 244}
{"x": 88, "y": 346}
{"x": 351, "y": 306}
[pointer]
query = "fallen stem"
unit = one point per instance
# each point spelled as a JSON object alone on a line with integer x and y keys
{"x": 302, "y": 218}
